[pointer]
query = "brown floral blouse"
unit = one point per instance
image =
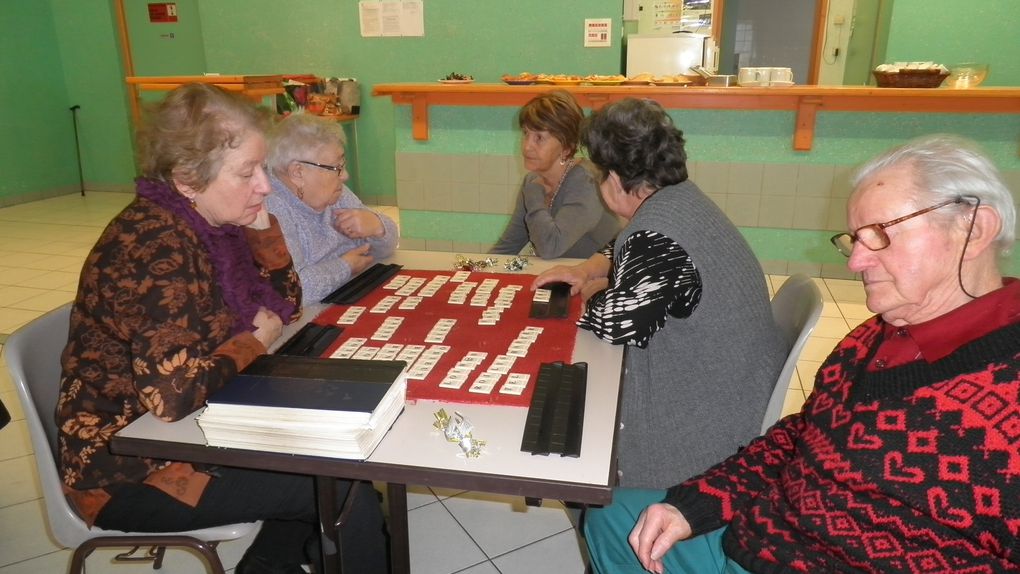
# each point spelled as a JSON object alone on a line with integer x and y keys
{"x": 149, "y": 331}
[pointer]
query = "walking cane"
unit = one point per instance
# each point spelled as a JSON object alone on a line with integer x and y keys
{"x": 77, "y": 146}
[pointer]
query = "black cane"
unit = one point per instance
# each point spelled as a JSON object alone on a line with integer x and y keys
{"x": 77, "y": 147}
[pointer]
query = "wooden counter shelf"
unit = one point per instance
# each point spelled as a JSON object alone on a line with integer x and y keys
{"x": 806, "y": 101}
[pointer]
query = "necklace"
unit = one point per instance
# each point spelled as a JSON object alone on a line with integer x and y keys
{"x": 566, "y": 170}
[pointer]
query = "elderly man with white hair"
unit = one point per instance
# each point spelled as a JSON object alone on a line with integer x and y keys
{"x": 906, "y": 456}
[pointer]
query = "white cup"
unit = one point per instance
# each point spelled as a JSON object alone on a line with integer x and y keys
{"x": 782, "y": 75}
{"x": 753, "y": 76}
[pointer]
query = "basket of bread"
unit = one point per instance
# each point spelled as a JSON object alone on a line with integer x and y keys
{"x": 910, "y": 75}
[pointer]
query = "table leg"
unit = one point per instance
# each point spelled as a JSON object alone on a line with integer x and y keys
{"x": 325, "y": 491}
{"x": 400, "y": 552}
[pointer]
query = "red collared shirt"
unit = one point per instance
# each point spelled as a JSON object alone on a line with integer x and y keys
{"x": 936, "y": 339}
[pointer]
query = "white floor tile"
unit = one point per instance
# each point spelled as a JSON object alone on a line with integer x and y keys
{"x": 501, "y": 523}
{"x": 438, "y": 544}
{"x": 53, "y": 563}
{"x": 21, "y": 482}
{"x": 560, "y": 553}
{"x": 23, "y": 532}
{"x": 831, "y": 327}
{"x": 46, "y": 302}
{"x": 483, "y": 568}
{"x": 10, "y": 398}
{"x": 14, "y": 441}
{"x": 855, "y": 313}
{"x": 794, "y": 401}
{"x": 818, "y": 348}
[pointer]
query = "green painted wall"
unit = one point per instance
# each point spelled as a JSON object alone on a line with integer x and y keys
{"x": 94, "y": 76}
{"x": 166, "y": 48}
{"x": 72, "y": 59}
{"x": 323, "y": 37}
{"x": 951, "y": 31}
{"x": 36, "y": 135}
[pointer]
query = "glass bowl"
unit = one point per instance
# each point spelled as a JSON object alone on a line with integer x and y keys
{"x": 966, "y": 75}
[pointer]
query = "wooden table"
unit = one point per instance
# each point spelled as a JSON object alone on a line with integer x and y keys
{"x": 411, "y": 453}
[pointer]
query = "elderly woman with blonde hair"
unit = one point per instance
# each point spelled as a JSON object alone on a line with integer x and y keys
{"x": 330, "y": 233}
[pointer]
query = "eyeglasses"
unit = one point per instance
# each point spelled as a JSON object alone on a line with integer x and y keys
{"x": 874, "y": 236}
{"x": 339, "y": 168}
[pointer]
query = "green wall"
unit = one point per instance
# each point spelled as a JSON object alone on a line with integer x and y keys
{"x": 73, "y": 59}
{"x": 323, "y": 37}
{"x": 950, "y": 31}
{"x": 36, "y": 135}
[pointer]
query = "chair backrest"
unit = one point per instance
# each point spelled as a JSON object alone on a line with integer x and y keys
{"x": 796, "y": 308}
{"x": 33, "y": 357}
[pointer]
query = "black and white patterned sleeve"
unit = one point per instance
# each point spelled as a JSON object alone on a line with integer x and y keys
{"x": 653, "y": 278}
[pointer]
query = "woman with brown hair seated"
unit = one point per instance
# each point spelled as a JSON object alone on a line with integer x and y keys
{"x": 558, "y": 210}
{"x": 185, "y": 287}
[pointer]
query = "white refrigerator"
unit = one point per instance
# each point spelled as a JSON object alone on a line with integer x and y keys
{"x": 668, "y": 55}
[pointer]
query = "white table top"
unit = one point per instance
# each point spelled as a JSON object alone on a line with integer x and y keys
{"x": 413, "y": 442}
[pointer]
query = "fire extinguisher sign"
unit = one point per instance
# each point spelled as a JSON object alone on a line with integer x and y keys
{"x": 163, "y": 12}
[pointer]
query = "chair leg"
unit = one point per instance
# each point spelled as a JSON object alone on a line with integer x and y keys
{"x": 158, "y": 546}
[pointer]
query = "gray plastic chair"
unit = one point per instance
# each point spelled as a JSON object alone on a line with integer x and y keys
{"x": 795, "y": 309}
{"x": 33, "y": 357}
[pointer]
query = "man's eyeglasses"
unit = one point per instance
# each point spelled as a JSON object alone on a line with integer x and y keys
{"x": 339, "y": 168}
{"x": 874, "y": 236}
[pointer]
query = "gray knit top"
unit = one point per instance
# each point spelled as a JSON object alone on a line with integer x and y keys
{"x": 688, "y": 297}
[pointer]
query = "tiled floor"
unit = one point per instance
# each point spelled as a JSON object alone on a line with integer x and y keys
{"x": 42, "y": 246}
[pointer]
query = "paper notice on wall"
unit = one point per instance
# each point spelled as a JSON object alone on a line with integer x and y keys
{"x": 370, "y": 17}
{"x": 412, "y": 18}
{"x": 394, "y": 18}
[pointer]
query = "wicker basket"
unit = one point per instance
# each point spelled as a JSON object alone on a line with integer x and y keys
{"x": 911, "y": 78}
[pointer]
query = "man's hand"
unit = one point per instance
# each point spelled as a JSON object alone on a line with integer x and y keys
{"x": 659, "y": 527}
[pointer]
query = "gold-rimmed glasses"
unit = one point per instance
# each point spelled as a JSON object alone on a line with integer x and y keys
{"x": 873, "y": 236}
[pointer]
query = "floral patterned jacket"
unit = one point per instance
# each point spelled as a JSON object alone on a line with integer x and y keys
{"x": 149, "y": 332}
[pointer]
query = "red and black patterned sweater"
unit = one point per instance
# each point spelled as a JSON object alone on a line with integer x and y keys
{"x": 150, "y": 331}
{"x": 910, "y": 469}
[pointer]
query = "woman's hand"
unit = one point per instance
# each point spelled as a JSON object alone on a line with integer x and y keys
{"x": 592, "y": 287}
{"x": 358, "y": 223}
{"x": 268, "y": 326}
{"x": 358, "y": 259}
{"x": 659, "y": 527}
{"x": 575, "y": 275}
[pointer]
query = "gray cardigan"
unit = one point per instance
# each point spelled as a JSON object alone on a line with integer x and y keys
{"x": 698, "y": 391}
{"x": 577, "y": 225}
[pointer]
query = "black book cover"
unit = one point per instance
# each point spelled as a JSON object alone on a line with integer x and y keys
{"x": 287, "y": 381}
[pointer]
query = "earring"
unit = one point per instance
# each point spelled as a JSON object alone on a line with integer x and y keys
{"x": 563, "y": 161}
{"x": 300, "y": 192}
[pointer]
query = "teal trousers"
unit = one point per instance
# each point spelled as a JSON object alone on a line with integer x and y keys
{"x": 606, "y": 530}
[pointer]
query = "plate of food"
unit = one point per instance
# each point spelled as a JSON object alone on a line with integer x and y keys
{"x": 565, "y": 80}
{"x": 597, "y": 80}
{"x": 522, "y": 79}
{"x": 638, "y": 80}
{"x": 455, "y": 78}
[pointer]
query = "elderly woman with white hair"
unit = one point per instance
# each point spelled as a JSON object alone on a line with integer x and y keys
{"x": 906, "y": 456}
{"x": 330, "y": 234}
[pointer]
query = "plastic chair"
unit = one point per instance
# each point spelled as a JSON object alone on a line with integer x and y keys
{"x": 795, "y": 309}
{"x": 33, "y": 357}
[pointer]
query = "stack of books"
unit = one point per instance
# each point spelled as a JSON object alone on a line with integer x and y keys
{"x": 338, "y": 408}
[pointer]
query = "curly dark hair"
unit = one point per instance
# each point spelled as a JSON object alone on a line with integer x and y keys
{"x": 556, "y": 112}
{"x": 637, "y": 140}
{"x": 185, "y": 136}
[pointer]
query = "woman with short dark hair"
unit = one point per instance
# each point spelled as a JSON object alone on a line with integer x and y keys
{"x": 558, "y": 209}
{"x": 681, "y": 288}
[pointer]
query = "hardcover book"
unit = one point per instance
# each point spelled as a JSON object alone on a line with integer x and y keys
{"x": 307, "y": 405}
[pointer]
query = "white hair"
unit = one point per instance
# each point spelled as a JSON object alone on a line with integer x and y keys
{"x": 946, "y": 167}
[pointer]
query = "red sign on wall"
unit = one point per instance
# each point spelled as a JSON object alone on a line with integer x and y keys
{"x": 163, "y": 12}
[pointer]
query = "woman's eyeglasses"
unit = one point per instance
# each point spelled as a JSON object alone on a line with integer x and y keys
{"x": 874, "y": 236}
{"x": 338, "y": 168}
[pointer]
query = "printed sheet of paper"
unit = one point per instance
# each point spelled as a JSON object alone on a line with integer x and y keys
{"x": 392, "y": 18}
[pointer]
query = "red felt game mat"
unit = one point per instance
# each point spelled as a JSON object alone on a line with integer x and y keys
{"x": 555, "y": 343}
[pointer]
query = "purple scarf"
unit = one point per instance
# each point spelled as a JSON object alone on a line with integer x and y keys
{"x": 244, "y": 289}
